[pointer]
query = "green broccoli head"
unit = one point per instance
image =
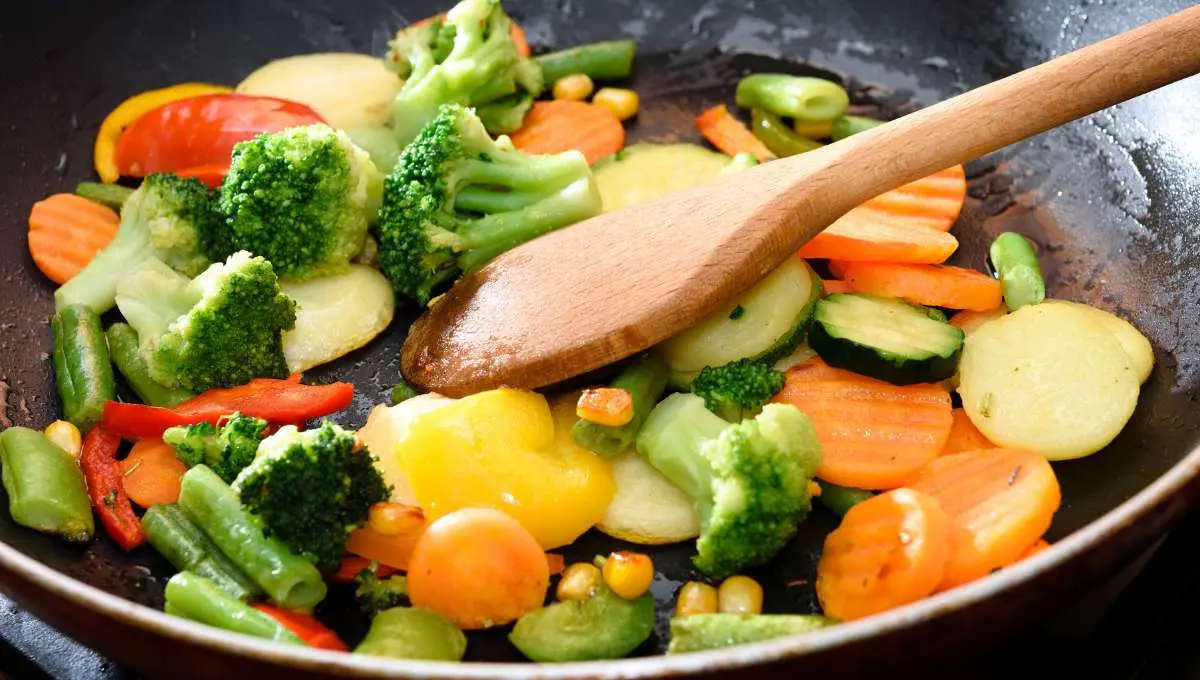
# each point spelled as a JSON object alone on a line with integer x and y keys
{"x": 375, "y": 594}
{"x": 749, "y": 480}
{"x": 218, "y": 330}
{"x": 301, "y": 197}
{"x": 227, "y": 448}
{"x": 469, "y": 57}
{"x": 194, "y": 444}
{"x": 456, "y": 199}
{"x": 311, "y": 489}
{"x": 168, "y": 218}
{"x": 738, "y": 389}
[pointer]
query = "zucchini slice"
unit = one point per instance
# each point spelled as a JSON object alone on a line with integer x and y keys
{"x": 885, "y": 338}
{"x": 641, "y": 172}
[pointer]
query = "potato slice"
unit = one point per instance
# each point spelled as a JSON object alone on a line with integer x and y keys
{"x": 336, "y": 315}
{"x": 1139, "y": 349}
{"x": 347, "y": 90}
{"x": 647, "y": 509}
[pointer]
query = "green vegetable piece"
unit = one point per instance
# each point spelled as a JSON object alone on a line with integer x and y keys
{"x": 846, "y": 126}
{"x": 126, "y": 354}
{"x": 1016, "y": 263}
{"x": 739, "y": 162}
{"x": 81, "y": 367}
{"x": 194, "y": 597}
{"x": 714, "y": 631}
{"x": 839, "y": 499}
{"x": 403, "y": 391}
{"x": 604, "y": 626}
{"x": 645, "y": 379}
{"x": 737, "y": 313}
{"x": 738, "y": 389}
{"x": 643, "y": 171}
{"x": 599, "y": 61}
{"x": 110, "y": 195}
{"x": 375, "y": 595}
{"x": 799, "y": 97}
{"x": 777, "y": 136}
{"x": 227, "y": 449}
{"x": 186, "y": 547}
{"x": 408, "y": 633}
{"x": 380, "y": 144}
{"x": 288, "y": 579}
{"x": 46, "y": 490}
{"x": 505, "y": 115}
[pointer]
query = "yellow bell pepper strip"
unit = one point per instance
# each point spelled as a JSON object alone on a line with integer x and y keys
{"x": 128, "y": 111}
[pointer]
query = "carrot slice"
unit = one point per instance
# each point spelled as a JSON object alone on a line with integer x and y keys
{"x": 934, "y": 285}
{"x": 152, "y": 473}
{"x": 932, "y": 202}
{"x": 838, "y": 268}
{"x": 352, "y": 565}
{"x": 1000, "y": 502}
{"x": 964, "y": 436}
{"x": 1042, "y": 544}
{"x": 556, "y": 562}
{"x": 391, "y": 550}
{"x": 874, "y": 435}
{"x": 731, "y": 135}
{"x": 65, "y": 233}
{"x": 833, "y": 286}
{"x": 562, "y": 125}
{"x": 888, "y": 551}
{"x": 880, "y": 242}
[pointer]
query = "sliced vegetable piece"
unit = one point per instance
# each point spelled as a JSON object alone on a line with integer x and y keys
{"x": 336, "y": 315}
{"x": 65, "y": 233}
{"x": 645, "y": 380}
{"x": 348, "y": 90}
{"x": 609, "y": 60}
{"x": 152, "y": 473}
{"x": 1136, "y": 345}
{"x": 82, "y": 370}
{"x": 46, "y": 490}
{"x": 861, "y": 241}
{"x": 839, "y": 499}
{"x": 385, "y": 430}
{"x": 561, "y": 125}
{"x": 644, "y": 171}
{"x": 888, "y": 551}
{"x": 409, "y": 633}
{"x": 964, "y": 436}
{"x": 999, "y": 503}
{"x": 304, "y": 626}
{"x": 194, "y": 597}
{"x": 933, "y": 285}
{"x": 106, "y": 488}
{"x": 699, "y": 632}
{"x": 730, "y": 135}
{"x": 186, "y": 547}
{"x": 603, "y": 626}
{"x": 846, "y": 126}
{"x": 970, "y": 321}
{"x": 647, "y": 509}
{"x": 127, "y": 356}
{"x": 799, "y": 97}
{"x": 392, "y": 551}
{"x": 1016, "y": 263}
{"x": 777, "y": 136}
{"x": 1042, "y": 544}
{"x": 932, "y": 202}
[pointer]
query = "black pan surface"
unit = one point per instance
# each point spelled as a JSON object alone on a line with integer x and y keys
{"x": 1112, "y": 201}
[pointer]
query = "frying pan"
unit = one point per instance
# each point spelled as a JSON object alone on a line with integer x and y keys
{"x": 1112, "y": 202}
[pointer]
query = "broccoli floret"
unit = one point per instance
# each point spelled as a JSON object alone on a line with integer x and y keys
{"x": 227, "y": 448}
{"x": 218, "y": 330}
{"x": 456, "y": 199}
{"x": 311, "y": 489}
{"x": 749, "y": 480}
{"x": 301, "y": 197}
{"x": 738, "y": 389}
{"x": 169, "y": 218}
{"x": 375, "y": 594}
{"x": 469, "y": 58}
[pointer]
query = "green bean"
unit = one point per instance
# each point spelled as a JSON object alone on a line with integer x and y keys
{"x": 840, "y": 499}
{"x": 599, "y": 61}
{"x": 802, "y": 98}
{"x": 187, "y": 548}
{"x": 194, "y": 597}
{"x": 1016, "y": 263}
{"x": 846, "y": 126}
{"x": 777, "y": 136}
{"x": 127, "y": 357}
{"x": 46, "y": 490}
{"x": 111, "y": 195}
{"x": 645, "y": 379}
{"x": 288, "y": 579}
{"x": 81, "y": 366}
{"x": 407, "y": 633}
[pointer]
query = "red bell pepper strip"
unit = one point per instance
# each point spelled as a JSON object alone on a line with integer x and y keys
{"x": 202, "y": 131}
{"x": 106, "y": 488}
{"x": 276, "y": 401}
{"x": 212, "y": 175}
{"x": 305, "y": 626}
{"x": 353, "y": 564}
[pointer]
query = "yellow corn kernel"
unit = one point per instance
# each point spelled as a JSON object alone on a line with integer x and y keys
{"x": 611, "y": 406}
{"x": 623, "y": 103}
{"x": 813, "y": 130}
{"x": 394, "y": 519}
{"x": 579, "y": 582}
{"x": 696, "y": 598}
{"x": 740, "y": 595}
{"x": 66, "y": 435}
{"x": 629, "y": 574}
{"x": 814, "y": 489}
{"x": 575, "y": 87}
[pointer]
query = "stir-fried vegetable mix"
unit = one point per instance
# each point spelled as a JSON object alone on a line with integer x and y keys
{"x": 275, "y": 229}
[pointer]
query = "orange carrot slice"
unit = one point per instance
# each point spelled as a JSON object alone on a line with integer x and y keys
{"x": 880, "y": 242}
{"x": 152, "y": 473}
{"x": 964, "y": 436}
{"x": 932, "y": 202}
{"x": 392, "y": 550}
{"x": 833, "y": 286}
{"x": 838, "y": 268}
{"x": 934, "y": 285}
{"x": 562, "y": 125}
{"x": 65, "y": 233}
{"x": 874, "y": 435}
{"x": 888, "y": 551}
{"x": 731, "y": 135}
{"x": 1000, "y": 502}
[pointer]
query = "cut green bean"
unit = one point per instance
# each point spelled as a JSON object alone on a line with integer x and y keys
{"x": 408, "y": 633}
{"x": 840, "y": 499}
{"x": 645, "y": 379}
{"x": 289, "y": 580}
{"x": 777, "y": 136}
{"x": 82, "y": 370}
{"x": 111, "y": 195}
{"x": 799, "y": 97}
{"x": 599, "y": 61}
{"x": 846, "y": 126}
{"x": 127, "y": 357}
{"x": 186, "y": 547}
{"x": 46, "y": 490}
{"x": 196, "y": 598}
{"x": 1016, "y": 263}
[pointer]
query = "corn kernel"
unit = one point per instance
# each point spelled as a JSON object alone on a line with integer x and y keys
{"x": 579, "y": 582}
{"x": 813, "y": 130}
{"x": 608, "y": 406}
{"x": 623, "y": 103}
{"x": 696, "y": 598}
{"x": 629, "y": 574}
{"x": 814, "y": 489}
{"x": 575, "y": 87}
{"x": 740, "y": 595}
{"x": 394, "y": 519}
{"x": 66, "y": 435}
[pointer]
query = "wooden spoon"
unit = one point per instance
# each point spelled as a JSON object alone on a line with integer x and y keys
{"x": 583, "y": 297}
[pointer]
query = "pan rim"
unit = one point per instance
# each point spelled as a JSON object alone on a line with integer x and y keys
{"x": 1157, "y": 493}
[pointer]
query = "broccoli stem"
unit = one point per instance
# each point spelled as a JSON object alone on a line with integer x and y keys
{"x": 487, "y": 201}
{"x": 645, "y": 379}
{"x": 671, "y": 439}
{"x": 96, "y": 285}
{"x": 522, "y": 172}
